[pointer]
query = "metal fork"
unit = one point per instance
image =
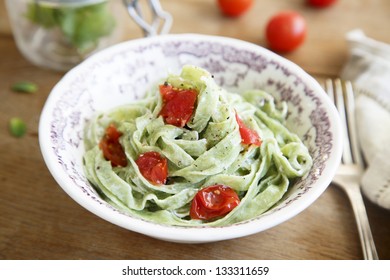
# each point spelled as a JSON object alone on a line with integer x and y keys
{"x": 350, "y": 171}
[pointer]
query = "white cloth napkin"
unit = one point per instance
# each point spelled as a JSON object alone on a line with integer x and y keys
{"x": 368, "y": 67}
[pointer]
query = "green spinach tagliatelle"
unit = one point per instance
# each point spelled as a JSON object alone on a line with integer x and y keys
{"x": 207, "y": 151}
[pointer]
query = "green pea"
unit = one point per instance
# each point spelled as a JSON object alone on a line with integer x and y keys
{"x": 26, "y": 87}
{"x": 17, "y": 127}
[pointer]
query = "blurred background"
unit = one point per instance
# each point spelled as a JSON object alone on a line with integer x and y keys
{"x": 39, "y": 221}
{"x": 324, "y": 51}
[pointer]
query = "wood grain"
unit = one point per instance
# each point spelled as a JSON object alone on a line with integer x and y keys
{"x": 40, "y": 221}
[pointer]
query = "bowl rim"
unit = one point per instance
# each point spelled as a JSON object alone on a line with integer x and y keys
{"x": 183, "y": 234}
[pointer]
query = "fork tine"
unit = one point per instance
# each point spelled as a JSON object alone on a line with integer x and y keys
{"x": 329, "y": 89}
{"x": 354, "y": 139}
{"x": 338, "y": 93}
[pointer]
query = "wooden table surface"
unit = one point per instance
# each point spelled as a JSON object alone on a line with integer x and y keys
{"x": 38, "y": 220}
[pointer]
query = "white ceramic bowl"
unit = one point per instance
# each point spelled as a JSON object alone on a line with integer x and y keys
{"x": 99, "y": 83}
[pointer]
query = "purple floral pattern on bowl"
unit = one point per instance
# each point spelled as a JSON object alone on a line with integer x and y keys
{"x": 124, "y": 73}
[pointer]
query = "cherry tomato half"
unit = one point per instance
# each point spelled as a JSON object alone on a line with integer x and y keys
{"x": 321, "y": 3}
{"x": 234, "y": 8}
{"x": 178, "y": 104}
{"x": 285, "y": 31}
{"x": 112, "y": 149}
{"x": 153, "y": 167}
{"x": 248, "y": 136}
{"x": 213, "y": 202}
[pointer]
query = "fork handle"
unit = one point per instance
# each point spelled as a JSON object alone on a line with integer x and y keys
{"x": 367, "y": 241}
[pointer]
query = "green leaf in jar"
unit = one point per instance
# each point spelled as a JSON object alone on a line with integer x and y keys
{"x": 42, "y": 15}
{"x": 83, "y": 26}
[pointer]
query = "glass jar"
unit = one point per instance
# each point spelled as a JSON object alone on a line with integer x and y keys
{"x": 59, "y": 34}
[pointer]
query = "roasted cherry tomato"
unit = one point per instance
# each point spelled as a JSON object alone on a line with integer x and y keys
{"x": 285, "y": 31}
{"x": 248, "y": 136}
{"x": 112, "y": 149}
{"x": 153, "y": 167}
{"x": 178, "y": 104}
{"x": 234, "y": 8}
{"x": 320, "y": 3}
{"x": 213, "y": 202}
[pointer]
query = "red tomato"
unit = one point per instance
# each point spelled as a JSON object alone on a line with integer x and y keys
{"x": 213, "y": 202}
{"x": 248, "y": 136}
{"x": 285, "y": 31}
{"x": 320, "y": 3}
{"x": 178, "y": 104}
{"x": 234, "y": 8}
{"x": 112, "y": 149}
{"x": 153, "y": 167}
